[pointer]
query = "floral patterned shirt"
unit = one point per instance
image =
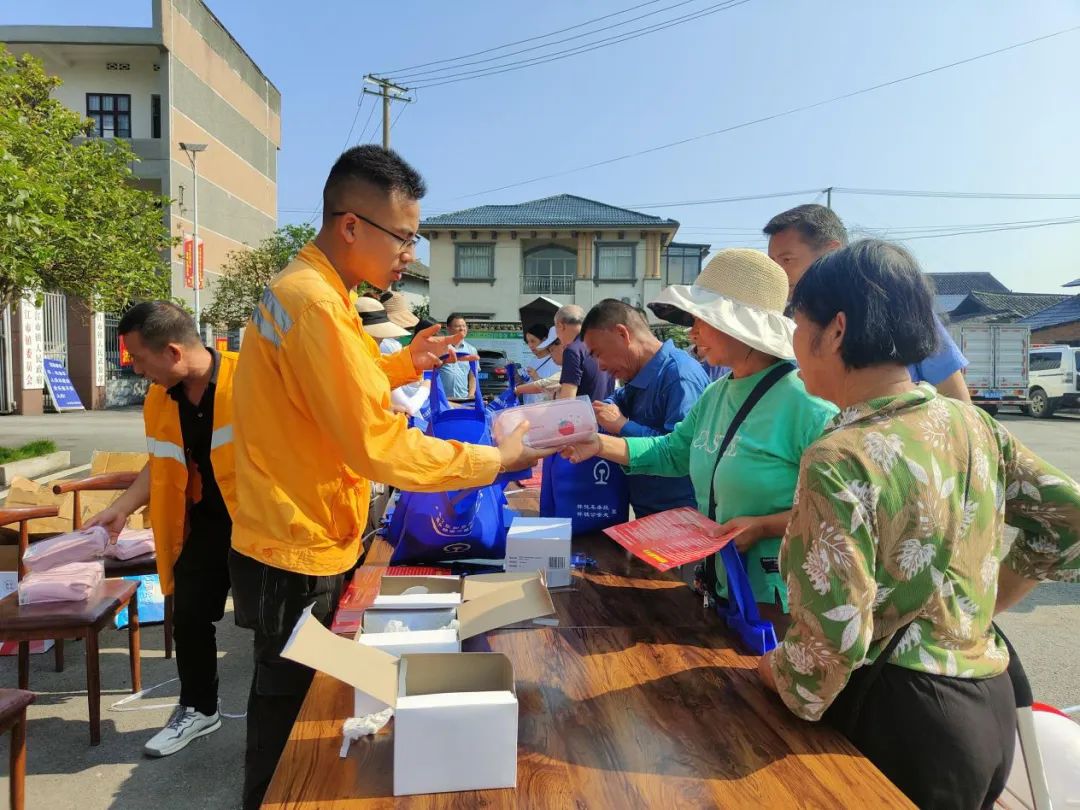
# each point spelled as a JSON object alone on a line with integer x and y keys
{"x": 898, "y": 519}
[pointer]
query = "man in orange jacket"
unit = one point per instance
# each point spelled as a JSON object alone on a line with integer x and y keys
{"x": 314, "y": 426}
{"x": 190, "y": 484}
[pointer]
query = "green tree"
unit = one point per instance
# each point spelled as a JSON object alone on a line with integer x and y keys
{"x": 246, "y": 272}
{"x": 422, "y": 310}
{"x": 70, "y": 219}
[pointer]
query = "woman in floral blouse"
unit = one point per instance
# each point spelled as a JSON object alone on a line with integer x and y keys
{"x": 895, "y": 548}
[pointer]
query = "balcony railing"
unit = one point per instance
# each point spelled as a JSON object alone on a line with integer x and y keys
{"x": 547, "y": 285}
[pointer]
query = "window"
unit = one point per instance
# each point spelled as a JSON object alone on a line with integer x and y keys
{"x": 155, "y": 116}
{"x": 111, "y": 114}
{"x": 615, "y": 262}
{"x": 474, "y": 263}
{"x": 682, "y": 264}
{"x": 1045, "y": 361}
{"x": 549, "y": 271}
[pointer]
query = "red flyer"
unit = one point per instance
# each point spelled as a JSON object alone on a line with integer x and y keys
{"x": 670, "y": 539}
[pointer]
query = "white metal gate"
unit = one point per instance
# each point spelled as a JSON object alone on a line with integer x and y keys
{"x": 56, "y": 333}
{"x": 7, "y": 378}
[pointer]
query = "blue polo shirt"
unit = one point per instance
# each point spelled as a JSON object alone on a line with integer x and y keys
{"x": 946, "y": 361}
{"x": 655, "y": 401}
{"x": 454, "y": 377}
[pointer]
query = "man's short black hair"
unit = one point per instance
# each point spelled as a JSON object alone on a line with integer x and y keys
{"x": 816, "y": 224}
{"x": 885, "y": 297}
{"x": 612, "y": 312}
{"x": 160, "y": 323}
{"x": 372, "y": 165}
{"x": 455, "y": 316}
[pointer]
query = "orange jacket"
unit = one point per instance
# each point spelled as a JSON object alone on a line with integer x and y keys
{"x": 313, "y": 426}
{"x": 171, "y": 486}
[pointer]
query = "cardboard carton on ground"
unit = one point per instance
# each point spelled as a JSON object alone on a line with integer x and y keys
{"x": 456, "y": 713}
{"x": 24, "y": 492}
{"x": 104, "y": 461}
{"x": 540, "y": 544}
{"x": 501, "y": 602}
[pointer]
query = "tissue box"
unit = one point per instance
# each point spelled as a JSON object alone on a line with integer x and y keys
{"x": 555, "y": 423}
{"x": 540, "y": 544}
{"x": 456, "y": 713}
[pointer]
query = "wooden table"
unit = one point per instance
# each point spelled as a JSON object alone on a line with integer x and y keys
{"x": 638, "y": 699}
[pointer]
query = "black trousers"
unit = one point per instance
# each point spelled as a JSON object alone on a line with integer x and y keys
{"x": 269, "y": 601}
{"x": 945, "y": 742}
{"x": 200, "y": 587}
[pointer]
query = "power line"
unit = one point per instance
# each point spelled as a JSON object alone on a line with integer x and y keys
{"x": 409, "y": 75}
{"x": 1048, "y": 224}
{"x": 601, "y": 43}
{"x": 371, "y": 114}
{"x": 518, "y": 42}
{"x": 744, "y": 198}
{"x": 399, "y": 114}
{"x": 348, "y": 137}
{"x": 775, "y": 116}
{"x": 977, "y": 195}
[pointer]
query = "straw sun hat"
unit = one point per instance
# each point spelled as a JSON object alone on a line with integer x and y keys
{"x": 398, "y": 310}
{"x": 375, "y": 320}
{"x": 742, "y": 293}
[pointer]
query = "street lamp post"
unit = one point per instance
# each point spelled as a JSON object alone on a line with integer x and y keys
{"x": 192, "y": 150}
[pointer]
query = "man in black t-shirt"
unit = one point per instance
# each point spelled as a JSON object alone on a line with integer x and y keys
{"x": 581, "y": 375}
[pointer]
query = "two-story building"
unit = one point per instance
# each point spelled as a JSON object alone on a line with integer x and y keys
{"x": 183, "y": 79}
{"x": 489, "y": 261}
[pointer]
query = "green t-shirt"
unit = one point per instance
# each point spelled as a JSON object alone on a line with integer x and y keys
{"x": 757, "y": 474}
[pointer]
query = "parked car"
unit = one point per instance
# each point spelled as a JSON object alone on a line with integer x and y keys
{"x": 997, "y": 354}
{"x": 1053, "y": 379}
{"x": 493, "y": 376}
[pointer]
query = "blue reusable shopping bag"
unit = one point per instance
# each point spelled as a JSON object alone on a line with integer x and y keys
{"x": 463, "y": 524}
{"x": 151, "y": 601}
{"x": 593, "y": 494}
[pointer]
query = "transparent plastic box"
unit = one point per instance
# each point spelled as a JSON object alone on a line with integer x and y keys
{"x": 555, "y": 423}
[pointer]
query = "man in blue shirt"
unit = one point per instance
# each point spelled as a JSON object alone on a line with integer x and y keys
{"x": 802, "y": 235}
{"x": 457, "y": 380}
{"x": 661, "y": 384}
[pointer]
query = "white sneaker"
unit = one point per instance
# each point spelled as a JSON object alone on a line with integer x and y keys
{"x": 184, "y": 726}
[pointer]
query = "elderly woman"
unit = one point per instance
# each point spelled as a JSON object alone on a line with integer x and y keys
{"x": 735, "y": 308}
{"x": 895, "y": 558}
{"x": 540, "y": 339}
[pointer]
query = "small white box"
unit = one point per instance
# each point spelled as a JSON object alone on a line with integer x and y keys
{"x": 457, "y": 713}
{"x": 399, "y": 644}
{"x": 540, "y": 544}
{"x": 441, "y": 592}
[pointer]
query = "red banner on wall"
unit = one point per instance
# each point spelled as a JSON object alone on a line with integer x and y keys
{"x": 221, "y": 344}
{"x": 189, "y": 269}
{"x": 125, "y": 355}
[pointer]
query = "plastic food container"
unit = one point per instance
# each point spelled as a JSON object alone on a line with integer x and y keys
{"x": 555, "y": 423}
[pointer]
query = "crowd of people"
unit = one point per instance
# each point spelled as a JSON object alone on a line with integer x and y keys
{"x": 822, "y": 412}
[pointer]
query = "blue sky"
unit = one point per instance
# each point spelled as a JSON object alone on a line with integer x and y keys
{"x": 1007, "y": 123}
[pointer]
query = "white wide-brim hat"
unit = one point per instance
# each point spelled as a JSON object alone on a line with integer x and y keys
{"x": 552, "y": 336}
{"x": 742, "y": 293}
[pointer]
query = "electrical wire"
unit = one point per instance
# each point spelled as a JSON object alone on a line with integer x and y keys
{"x": 775, "y": 116}
{"x": 973, "y": 195}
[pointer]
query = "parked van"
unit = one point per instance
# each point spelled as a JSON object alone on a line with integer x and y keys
{"x": 1053, "y": 380}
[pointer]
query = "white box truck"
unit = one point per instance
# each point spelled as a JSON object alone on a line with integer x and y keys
{"x": 997, "y": 372}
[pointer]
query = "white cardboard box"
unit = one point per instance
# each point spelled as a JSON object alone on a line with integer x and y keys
{"x": 442, "y": 591}
{"x": 540, "y": 544}
{"x": 456, "y": 713}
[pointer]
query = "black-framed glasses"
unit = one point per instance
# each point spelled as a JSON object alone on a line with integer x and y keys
{"x": 405, "y": 242}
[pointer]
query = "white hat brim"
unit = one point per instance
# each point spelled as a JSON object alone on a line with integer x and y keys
{"x": 551, "y": 338}
{"x": 769, "y": 332}
{"x": 385, "y": 330}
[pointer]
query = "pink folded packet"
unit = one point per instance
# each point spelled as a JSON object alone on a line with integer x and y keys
{"x": 72, "y": 582}
{"x": 81, "y": 546}
{"x": 131, "y": 543}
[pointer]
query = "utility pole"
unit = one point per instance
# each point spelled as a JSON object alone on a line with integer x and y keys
{"x": 388, "y": 91}
{"x": 828, "y": 197}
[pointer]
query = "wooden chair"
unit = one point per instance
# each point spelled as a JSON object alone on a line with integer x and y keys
{"x": 137, "y": 566}
{"x": 13, "y": 703}
{"x": 84, "y": 619}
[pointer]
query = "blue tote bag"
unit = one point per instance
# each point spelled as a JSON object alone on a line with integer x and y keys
{"x": 459, "y": 525}
{"x": 593, "y": 494}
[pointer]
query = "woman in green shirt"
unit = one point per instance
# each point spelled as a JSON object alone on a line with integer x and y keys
{"x": 735, "y": 308}
{"x": 895, "y": 558}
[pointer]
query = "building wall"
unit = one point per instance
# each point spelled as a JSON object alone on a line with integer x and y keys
{"x": 1062, "y": 333}
{"x": 503, "y": 298}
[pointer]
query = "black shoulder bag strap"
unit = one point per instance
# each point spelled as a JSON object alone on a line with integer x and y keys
{"x": 762, "y": 388}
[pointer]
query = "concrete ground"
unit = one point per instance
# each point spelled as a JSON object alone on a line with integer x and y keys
{"x": 65, "y": 772}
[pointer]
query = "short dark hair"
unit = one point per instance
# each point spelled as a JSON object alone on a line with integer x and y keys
{"x": 816, "y": 224}
{"x": 884, "y": 296}
{"x": 454, "y": 316}
{"x": 538, "y": 331}
{"x": 423, "y": 324}
{"x": 382, "y": 168}
{"x": 612, "y": 312}
{"x": 160, "y": 323}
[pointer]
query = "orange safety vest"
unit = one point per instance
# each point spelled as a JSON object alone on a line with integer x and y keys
{"x": 173, "y": 485}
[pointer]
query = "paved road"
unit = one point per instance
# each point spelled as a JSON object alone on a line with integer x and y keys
{"x": 66, "y": 773}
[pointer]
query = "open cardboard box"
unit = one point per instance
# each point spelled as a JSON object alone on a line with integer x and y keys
{"x": 456, "y": 713}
